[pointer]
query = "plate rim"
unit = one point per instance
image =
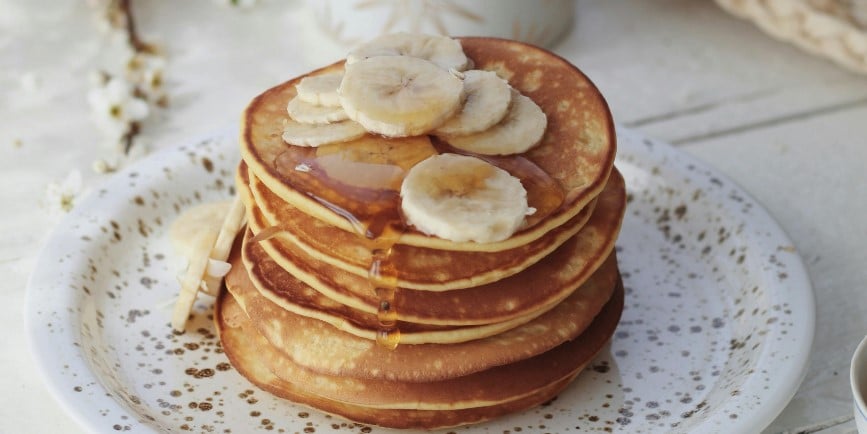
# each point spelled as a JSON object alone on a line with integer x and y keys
{"x": 38, "y": 340}
{"x": 41, "y": 345}
{"x": 776, "y": 400}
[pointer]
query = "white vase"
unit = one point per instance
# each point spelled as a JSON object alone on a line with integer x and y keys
{"x": 349, "y": 22}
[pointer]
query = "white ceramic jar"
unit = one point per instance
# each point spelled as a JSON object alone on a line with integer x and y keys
{"x": 349, "y": 22}
{"x": 858, "y": 380}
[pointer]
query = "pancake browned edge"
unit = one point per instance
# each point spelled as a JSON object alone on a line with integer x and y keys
{"x": 551, "y": 279}
{"x": 320, "y": 345}
{"x": 239, "y": 342}
{"x": 347, "y": 251}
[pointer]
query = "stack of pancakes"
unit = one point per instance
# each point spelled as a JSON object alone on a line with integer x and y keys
{"x": 482, "y": 329}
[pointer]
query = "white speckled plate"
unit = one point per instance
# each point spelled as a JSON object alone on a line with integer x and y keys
{"x": 715, "y": 335}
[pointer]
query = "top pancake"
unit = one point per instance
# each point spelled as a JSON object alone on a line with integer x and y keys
{"x": 577, "y": 150}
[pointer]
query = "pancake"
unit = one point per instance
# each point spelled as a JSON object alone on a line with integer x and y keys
{"x": 533, "y": 290}
{"x": 577, "y": 150}
{"x": 420, "y": 267}
{"x": 320, "y": 347}
{"x": 295, "y": 296}
{"x": 469, "y": 399}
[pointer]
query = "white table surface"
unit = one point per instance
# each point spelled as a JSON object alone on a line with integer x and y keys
{"x": 790, "y": 128}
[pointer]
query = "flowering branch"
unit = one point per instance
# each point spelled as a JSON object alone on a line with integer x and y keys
{"x": 120, "y": 102}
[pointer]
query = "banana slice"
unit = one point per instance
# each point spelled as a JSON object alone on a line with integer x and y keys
{"x": 445, "y": 52}
{"x": 399, "y": 96}
{"x": 521, "y": 129}
{"x": 217, "y": 265}
{"x": 320, "y": 89}
{"x": 207, "y": 264}
{"x": 462, "y": 198}
{"x": 191, "y": 281}
{"x": 298, "y": 134}
{"x": 205, "y": 217}
{"x": 306, "y": 113}
{"x": 488, "y": 98}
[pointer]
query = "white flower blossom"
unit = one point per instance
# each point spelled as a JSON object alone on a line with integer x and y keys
{"x": 60, "y": 196}
{"x": 115, "y": 107}
{"x": 101, "y": 166}
{"x": 147, "y": 70}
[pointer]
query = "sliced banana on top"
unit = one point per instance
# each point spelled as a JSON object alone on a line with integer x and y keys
{"x": 399, "y": 96}
{"x": 486, "y": 104}
{"x": 445, "y": 52}
{"x": 299, "y": 134}
{"x": 307, "y": 113}
{"x": 521, "y": 129}
{"x": 462, "y": 198}
{"x": 320, "y": 89}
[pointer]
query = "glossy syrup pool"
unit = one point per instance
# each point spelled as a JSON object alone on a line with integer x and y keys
{"x": 717, "y": 322}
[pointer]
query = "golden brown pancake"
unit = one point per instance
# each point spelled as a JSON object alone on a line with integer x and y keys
{"x": 319, "y": 346}
{"x": 577, "y": 150}
{"x": 469, "y": 399}
{"x": 535, "y": 289}
{"x": 288, "y": 292}
{"x": 420, "y": 267}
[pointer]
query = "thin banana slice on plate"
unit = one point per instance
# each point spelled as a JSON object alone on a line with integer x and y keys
{"x": 306, "y": 113}
{"x": 191, "y": 281}
{"x": 399, "y": 96}
{"x": 462, "y": 198}
{"x": 320, "y": 89}
{"x": 487, "y": 102}
{"x": 217, "y": 265}
{"x": 207, "y": 263}
{"x": 205, "y": 217}
{"x": 311, "y": 135}
{"x": 521, "y": 129}
{"x": 443, "y": 51}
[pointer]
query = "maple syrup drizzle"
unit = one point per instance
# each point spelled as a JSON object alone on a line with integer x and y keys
{"x": 360, "y": 181}
{"x": 383, "y": 278}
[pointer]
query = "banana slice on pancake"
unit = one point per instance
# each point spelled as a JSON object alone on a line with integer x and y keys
{"x": 443, "y": 51}
{"x": 487, "y": 102}
{"x": 307, "y": 113}
{"x": 312, "y": 135}
{"x": 521, "y": 129}
{"x": 399, "y": 96}
{"x": 320, "y": 89}
{"x": 462, "y": 198}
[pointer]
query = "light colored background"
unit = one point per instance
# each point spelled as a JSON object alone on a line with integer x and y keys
{"x": 790, "y": 128}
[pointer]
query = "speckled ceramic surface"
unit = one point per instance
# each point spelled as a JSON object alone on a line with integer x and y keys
{"x": 715, "y": 335}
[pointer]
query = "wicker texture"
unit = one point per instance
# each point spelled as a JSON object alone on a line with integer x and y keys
{"x": 835, "y": 29}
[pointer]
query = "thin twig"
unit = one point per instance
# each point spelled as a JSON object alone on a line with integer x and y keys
{"x": 125, "y": 7}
